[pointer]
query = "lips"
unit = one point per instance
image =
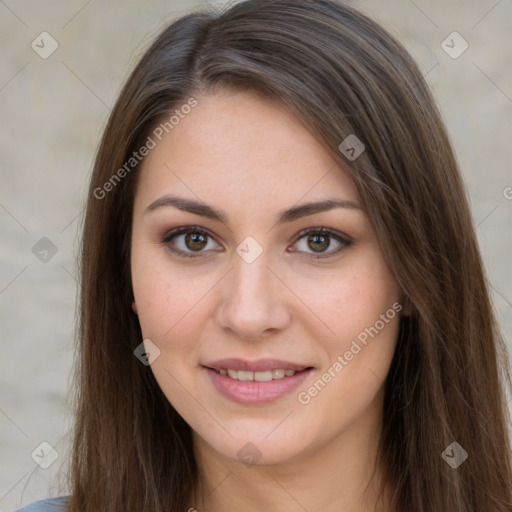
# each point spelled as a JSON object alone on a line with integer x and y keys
{"x": 256, "y": 382}
{"x": 261, "y": 365}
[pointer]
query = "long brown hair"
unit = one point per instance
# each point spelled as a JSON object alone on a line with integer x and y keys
{"x": 341, "y": 74}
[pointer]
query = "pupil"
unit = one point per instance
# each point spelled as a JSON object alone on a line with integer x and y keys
{"x": 195, "y": 241}
{"x": 315, "y": 239}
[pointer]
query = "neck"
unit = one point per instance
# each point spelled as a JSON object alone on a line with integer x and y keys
{"x": 341, "y": 475}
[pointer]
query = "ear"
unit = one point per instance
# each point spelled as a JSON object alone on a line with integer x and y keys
{"x": 134, "y": 307}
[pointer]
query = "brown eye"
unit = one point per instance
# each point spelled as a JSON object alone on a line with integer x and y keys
{"x": 318, "y": 240}
{"x": 189, "y": 242}
{"x": 318, "y": 243}
{"x": 195, "y": 241}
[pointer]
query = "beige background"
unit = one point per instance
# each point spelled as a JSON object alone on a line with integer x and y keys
{"x": 53, "y": 111}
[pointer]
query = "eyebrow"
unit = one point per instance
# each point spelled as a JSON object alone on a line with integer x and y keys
{"x": 289, "y": 215}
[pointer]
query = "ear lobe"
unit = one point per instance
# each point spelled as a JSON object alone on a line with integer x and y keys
{"x": 134, "y": 307}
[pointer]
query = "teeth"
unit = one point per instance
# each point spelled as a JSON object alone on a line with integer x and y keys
{"x": 244, "y": 375}
{"x": 262, "y": 376}
{"x": 257, "y": 376}
{"x": 278, "y": 374}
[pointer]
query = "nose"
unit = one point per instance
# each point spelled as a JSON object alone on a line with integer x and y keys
{"x": 254, "y": 301}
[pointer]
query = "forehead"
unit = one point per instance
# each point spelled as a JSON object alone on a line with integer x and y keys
{"x": 242, "y": 148}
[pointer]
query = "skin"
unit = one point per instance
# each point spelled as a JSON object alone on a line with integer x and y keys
{"x": 250, "y": 158}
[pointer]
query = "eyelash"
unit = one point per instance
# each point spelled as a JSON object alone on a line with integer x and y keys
{"x": 344, "y": 241}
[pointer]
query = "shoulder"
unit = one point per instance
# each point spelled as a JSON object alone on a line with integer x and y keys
{"x": 47, "y": 505}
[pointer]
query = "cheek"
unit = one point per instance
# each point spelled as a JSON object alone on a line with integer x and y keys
{"x": 153, "y": 293}
{"x": 355, "y": 369}
{"x": 169, "y": 308}
{"x": 173, "y": 306}
{"x": 162, "y": 297}
{"x": 365, "y": 317}
{"x": 354, "y": 298}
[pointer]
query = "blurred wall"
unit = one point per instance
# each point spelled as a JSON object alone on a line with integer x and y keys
{"x": 56, "y": 90}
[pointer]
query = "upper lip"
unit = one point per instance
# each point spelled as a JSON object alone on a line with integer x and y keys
{"x": 260, "y": 365}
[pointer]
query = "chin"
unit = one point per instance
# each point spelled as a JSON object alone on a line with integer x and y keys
{"x": 255, "y": 448}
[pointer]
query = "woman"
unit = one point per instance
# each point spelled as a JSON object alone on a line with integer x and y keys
{"x": 283, "y": 304}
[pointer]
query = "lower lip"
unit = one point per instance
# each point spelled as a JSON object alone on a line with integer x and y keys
{"x": 255, "y": 392}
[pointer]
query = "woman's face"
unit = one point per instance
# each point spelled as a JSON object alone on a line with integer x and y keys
{"x": 252, "y": 292}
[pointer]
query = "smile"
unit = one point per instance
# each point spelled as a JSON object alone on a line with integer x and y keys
{"x": 256, "y": 382}
{"x": 257, "y": 376}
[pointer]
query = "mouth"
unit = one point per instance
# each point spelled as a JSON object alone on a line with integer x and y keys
{"x": 256, "y": 382}
{"x": 265, "y": 376}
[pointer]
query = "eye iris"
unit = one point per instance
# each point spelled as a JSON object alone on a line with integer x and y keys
{"x": 319, "y": 239}
{"x": 198, "y": 241}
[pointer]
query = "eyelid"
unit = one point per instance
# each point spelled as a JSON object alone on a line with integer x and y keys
{"x": 184, "y": 230}
{"x": 342, "y": 238}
